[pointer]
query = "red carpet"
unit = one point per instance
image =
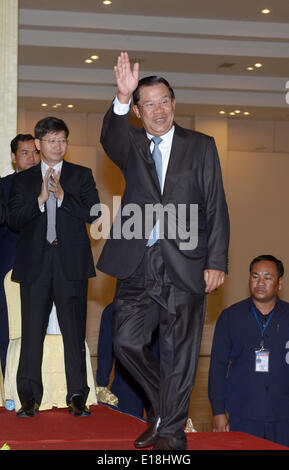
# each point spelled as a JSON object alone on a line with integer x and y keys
{"x": 106, "y": 429}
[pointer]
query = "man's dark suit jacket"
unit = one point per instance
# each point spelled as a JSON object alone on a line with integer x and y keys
{"x": 2, "y": 206}
{"x": 193, "y": 177}
{"x": 80, "y": 194}
{"x": 8, "y": 238}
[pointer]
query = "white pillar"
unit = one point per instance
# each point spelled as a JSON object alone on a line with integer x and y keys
{"x": 8, "y": 80}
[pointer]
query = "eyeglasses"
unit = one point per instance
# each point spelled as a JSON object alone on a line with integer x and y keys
{"x": 27, "y": 152}
{"x": 54, "y": 141}
{"x": 151, "y": 105}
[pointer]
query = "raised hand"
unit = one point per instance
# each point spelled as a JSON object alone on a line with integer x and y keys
{"x": 126, "y": 78}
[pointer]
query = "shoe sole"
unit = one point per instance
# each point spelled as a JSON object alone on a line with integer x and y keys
{"x": 25, "y": 415}
{"x": 144, "y": 446}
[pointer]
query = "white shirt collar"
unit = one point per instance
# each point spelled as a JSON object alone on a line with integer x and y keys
{"x": 57, "y": 167}
{"x": 166, "y": 137}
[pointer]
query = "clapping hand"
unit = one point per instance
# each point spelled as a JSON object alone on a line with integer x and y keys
{"x": 55, "y": 186}
{"x": 50, "y": 184}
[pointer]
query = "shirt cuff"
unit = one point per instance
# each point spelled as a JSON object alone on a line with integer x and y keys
{"x": 218, "y": 407}
{"x": 42, "y": 207}
{"x": 120, "y": 108}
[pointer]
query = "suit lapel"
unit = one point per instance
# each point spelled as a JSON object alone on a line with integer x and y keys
{"x": 142, "y": 143}
{"x": 64, "y": 175}
{"x": 178, "y": 153}
{"x": 37, "y": 176}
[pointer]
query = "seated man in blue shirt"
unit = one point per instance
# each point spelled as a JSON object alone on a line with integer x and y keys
{"x": 249, "y": 370}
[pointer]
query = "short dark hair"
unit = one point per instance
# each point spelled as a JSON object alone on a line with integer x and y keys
{"x": 49, "y": 125}
{"x": 279, "y": 264}
{"x": 19, "y": 138}
{"x": 150, "y": 81}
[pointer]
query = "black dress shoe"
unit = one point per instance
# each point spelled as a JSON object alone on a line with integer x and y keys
{"x": 162, "y": 443}
{"x": 28, "y": 409}
{"x": 148, "y": 437}
{"x": 77, "y": 406}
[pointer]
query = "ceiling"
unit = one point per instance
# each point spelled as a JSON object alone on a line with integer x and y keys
{"x": 202, "y": 47}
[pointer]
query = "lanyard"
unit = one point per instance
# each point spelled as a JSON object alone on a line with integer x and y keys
{"x": 258, "y": 321}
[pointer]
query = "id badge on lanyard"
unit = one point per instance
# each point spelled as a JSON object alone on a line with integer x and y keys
{"x": 262, "y": 359}
{"x": 262, "y": 355}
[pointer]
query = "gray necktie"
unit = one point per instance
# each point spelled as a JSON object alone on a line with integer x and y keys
{"x": 51, "y": 217}
{"x": 157, "y": 156}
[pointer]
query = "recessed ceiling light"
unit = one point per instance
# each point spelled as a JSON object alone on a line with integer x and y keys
{"x": 258, "y": 65}
{"x": 232, "y": 113}
{"x": 222, "y": 112}
{"x": 88, "y": 61}
{"x": 70, "y": 105}
{"x": 246, "y": 113}
{"x": 43, "y": 104}
{"x": 250, "y": 68}
{"x": 265, "y": 11}
{"x": 107, "y": 2}
{"x": 237, "y": 111}
{"x": 94, "y": 57}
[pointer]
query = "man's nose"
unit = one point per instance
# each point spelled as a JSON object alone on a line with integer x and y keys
{"x": 57, "y": 144}
{"x": 158, "y": 107}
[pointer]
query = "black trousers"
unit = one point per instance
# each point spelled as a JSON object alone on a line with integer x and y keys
{"x": 70, "y": 298}
{"x": 143, "y": 302}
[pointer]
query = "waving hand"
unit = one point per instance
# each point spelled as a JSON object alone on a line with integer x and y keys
{"x": 126, "y": 77}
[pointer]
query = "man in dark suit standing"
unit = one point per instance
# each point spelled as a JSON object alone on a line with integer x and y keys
{"x": 24, "y": 155}
{"x": 49, "y": 205}
{"x": 2, "y": 205}
{"x": 162, "y": 279}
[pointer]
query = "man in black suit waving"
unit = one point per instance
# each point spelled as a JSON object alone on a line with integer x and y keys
{"x": 163, "y": 279}
{"x": 49, "y": 205}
